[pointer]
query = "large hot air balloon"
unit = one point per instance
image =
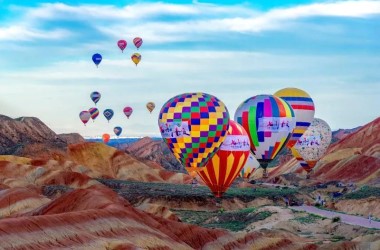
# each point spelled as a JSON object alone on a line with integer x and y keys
{"x": 223, "y": 168}
{"x": 122, "y": 44}
{"x": 269, "y": 122}
{"x": 136, "y": 58}
{"x": 128, "y": 111}
{"x": 117, "y": 131}
{"x": 137, "y": 42}
{"x": 106, "y": 138}
{"x": 94, "y": 113}
{"x": 84, "y": 116}
{"x": 312, "y": 145}
{"x": 193, "y": 125}
{"x": 97, "y": 58}
{"x": 249, "y": 168}
{"x": 304, "y": 110}
{"x": 108, "y": 114}
{"x": 95, "y": 96}
{"x": 150, "y": 106}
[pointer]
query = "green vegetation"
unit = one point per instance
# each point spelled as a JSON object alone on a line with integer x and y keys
{"x": 309, "y": 219}
{"x": 231, "y": 220}
{"x": 364, "y": 192}
{"x": 337, "y": 238}
{"x": 336, "y": 219}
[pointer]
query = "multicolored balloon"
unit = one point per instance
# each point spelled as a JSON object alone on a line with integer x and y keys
{"x": 117, "y": 131}
{"x": 304, "y": 110}
{"x": 94, "y": 113}
{"x": 106, "y": 138}
{"x": 250, "y": 167}
{"x": 150, "y": 106}
{"x": 122, "y": 44}
{"x": 226, "y": 164}
{"x": 269, "y": 122}
{"x": 97, "y": 58}
{"x": 137, "y": 42}
{"x": 136, "y": 58}
{"x": 84, "y": 116}
{"x": 108, "y": 114}
{"x": 313, "y": 144}
{"x": 95, "y": 97}
{"x": 193, "y": 125}
{"x": 128, "y": 111}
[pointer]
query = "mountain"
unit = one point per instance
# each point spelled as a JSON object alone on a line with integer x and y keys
{"x": 342, "y": 133}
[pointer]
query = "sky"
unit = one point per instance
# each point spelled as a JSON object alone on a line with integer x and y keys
{"x": 230, "y": 49}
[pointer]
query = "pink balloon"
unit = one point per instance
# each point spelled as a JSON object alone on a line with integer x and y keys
{"x": 122, "y": 44}
{"x": 138, "y": 42}
{"x": 128, "y": 111}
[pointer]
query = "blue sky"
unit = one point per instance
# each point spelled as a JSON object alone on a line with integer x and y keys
{"x": 231, "y": 49}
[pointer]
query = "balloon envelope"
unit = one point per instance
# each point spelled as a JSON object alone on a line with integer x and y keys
{"x": 269, "y": 121}
{"x": 226, "y": 164}
{"x": 97, "y": 58}
{"x": 137, "y": 42}
{"x": 193, "y": 125}
{"x": 84, "y": 116}
{"x": 304, "y": 110}
{"x": 249, "y": 167}
{"x": 117, "y": 131}
{"x": 136, "y": 58}
{"x": 122, "y": 44}
{"x": 106, "y": 138}
{"x": 94, "y": 113}
{"x": 95, "y": 96}
{"x": 128, "y": 111}
{"x": 313, "y": 144}
{"x": 108, "y": 114}
{"x": 150, "y": 106}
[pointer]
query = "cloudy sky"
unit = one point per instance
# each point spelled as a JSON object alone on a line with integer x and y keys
{"x": 231, "y": 49}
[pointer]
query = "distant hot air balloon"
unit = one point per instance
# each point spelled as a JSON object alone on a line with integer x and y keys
{"x": 84, "y": 116}
{"x": 223, "y": 168}
{"x": 249, "y": 168}
{"x": 193, "y": 125}
{"x": 137, "y": 42}
{"x": 94, "y": 113}
{"x": 122, "y": 44}
{"x": 150, "y": 106}
{"x": 313, "y": 144}
{"x": 136, "y": 58}
{"x": 128, "y": 111}
{"x": 117, "y": 131}
{"x": 108, "y": 114}
{"x": 95, "y": 97}
{"x": 97, "y": 58}
{"x": 304, "y": 110}
{"x": 106, "y": 138}
{"x": 269, "y": 122}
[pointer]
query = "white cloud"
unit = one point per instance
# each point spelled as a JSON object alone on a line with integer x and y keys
{"x": 21, "y": 33}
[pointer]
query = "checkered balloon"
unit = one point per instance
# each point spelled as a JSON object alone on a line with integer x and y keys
{"x": 193, "y": 125}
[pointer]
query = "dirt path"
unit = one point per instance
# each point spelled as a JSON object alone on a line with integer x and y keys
{"x": 346, "y": 218}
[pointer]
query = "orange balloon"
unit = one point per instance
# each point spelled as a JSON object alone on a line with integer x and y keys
{"x": 106, "y": 138}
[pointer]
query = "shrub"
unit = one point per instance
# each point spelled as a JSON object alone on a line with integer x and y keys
{"x": 336, "y": 219}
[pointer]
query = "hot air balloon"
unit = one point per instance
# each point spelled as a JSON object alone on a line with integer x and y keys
{"x": 138, "y": 42}
{"x": 95, "y": 97}
{"x": 84, "y": 116}
{"x": 94, "y": 113}
{"x": 249, "y": 168}
{"x": 128, "y": 111}
{"x": 97, "y": 58}
{"x": 304, "y": 110}
{"x": 312, "y": 145}
{"x": 269, "y": 122}
{"x": 193, "y": 125}
{"x": 108, "y": 114}
{"x": 117, "y": 130}
{"x": 136, "y": 58}
{"x": 122, "y": 44}
{"x": 106, "y": 138}
{"x": 150, "y": 106}
{"x": 226, "y": 164}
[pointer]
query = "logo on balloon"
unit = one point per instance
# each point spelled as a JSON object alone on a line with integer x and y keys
{"x": 174, "y": 129}
{"x": 275, "y": 124}
{"x": 309, "y": 141}
{"x": 236, "y": 143}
